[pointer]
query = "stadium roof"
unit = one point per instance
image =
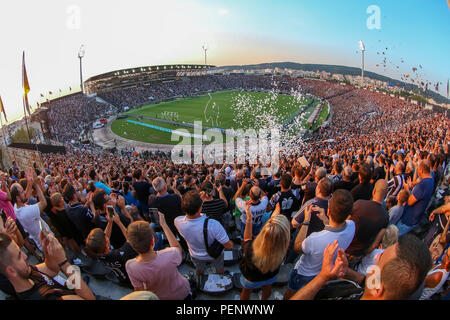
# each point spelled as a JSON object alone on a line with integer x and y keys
{"x": 159, "y": 68}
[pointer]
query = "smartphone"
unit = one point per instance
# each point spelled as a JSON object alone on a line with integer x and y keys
{"x": 41, "y": 226}
{"x": 154, "y": 216}
{"x": 110, "y": 211}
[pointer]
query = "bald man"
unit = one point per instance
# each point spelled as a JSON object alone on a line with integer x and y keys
{"x": 258, "y": 205}
{"x": 371, "y": 219}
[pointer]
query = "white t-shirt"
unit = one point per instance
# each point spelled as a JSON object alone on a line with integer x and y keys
{"x": 368, "y": 261}
{"x": 29, "y": 217}
{"x": 257, "y": 210}
{"x": 310, "y": 263}
{"x": 192, "y": 232}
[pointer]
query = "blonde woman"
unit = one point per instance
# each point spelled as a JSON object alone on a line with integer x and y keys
{"x": 263, "y": 255}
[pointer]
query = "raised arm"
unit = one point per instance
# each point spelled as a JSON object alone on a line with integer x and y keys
{"x": 240, "y": 189}
{"x": 222, "y": 196}
{"x": 42, "y": 200}
{"x": 301, "y": 236}
{"x": 55, "y": 261}
{"x": 248, "y": 232}
{"x": 173, "y": 242}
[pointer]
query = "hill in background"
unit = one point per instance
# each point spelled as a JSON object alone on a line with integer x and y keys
{"x": 342, "y": 70}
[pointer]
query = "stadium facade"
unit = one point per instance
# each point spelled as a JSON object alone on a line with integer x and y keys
{"x": 126, "y": 78}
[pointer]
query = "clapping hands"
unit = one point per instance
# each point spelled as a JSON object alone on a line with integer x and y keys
{"x": 331, "y": 270}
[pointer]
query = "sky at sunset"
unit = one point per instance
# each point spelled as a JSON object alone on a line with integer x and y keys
{"x": 133, "y": 33}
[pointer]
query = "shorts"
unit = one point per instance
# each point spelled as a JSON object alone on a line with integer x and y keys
{"x": 256, "y": 285}
{"x": 298, "y": 281}
{"x": 200, "y": 265}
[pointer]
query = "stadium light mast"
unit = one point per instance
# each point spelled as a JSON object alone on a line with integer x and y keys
{"x": 205, "y": 48}
{"x": 363, "y": 48}
{"x": 81, "y": 53}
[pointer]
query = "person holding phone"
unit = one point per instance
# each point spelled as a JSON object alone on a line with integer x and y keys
{"x": 105, "y": 206}
{"x": 98, "y": 247}
{"x": 312, "y": 247}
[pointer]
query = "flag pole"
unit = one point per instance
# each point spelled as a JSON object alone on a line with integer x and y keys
{"x": 3, "y": 130}
{"x": 25, "y": 116}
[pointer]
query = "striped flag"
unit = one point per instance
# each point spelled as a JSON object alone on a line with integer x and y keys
{"x": 26, "y": 85}
{"x": 3, "y": 109}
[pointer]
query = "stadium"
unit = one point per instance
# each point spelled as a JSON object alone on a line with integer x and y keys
{"x": 185, "y": 181}
{"x": 175, "y": 96}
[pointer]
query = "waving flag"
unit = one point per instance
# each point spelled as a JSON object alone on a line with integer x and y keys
{"x": 26, "y": 86}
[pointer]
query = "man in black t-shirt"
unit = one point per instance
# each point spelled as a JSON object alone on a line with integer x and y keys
{"x": 379, "y": 172}
{"x": 363, "y": 191}
{"x": 142, "y": 189}
{"x": 58, "y": 216}
{"x": 371, "y": 220}
{"x": 227, "y": 191}
{"x": 168, "y": 204}
{"x": 213, "y": 208}
{"x": 346, "y": 182}
{"x": 98, "y": 244}
{"x": 78, "y": 214}
{"x": 286, "y": 198}
{"x": 36, "y": 282}
{"x": 101, "y": 216}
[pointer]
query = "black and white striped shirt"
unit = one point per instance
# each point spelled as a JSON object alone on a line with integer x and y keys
{"x": 395, "y": 185}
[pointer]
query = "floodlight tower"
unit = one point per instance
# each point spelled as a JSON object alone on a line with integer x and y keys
{"x": 363, "y": 48}
{"x": 205, "y": 48}
{"x": 81, "y": 53}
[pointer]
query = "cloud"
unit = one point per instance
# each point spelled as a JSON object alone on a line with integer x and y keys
{"x": 223, "y": 12}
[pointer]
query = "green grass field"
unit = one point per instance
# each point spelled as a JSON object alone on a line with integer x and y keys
{"x": 226, "y": 109}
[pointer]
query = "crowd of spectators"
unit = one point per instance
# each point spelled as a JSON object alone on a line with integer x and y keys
{"x": 374, "y": 202}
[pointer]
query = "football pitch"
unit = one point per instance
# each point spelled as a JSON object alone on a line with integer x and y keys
{"x": 162, "y": 122}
